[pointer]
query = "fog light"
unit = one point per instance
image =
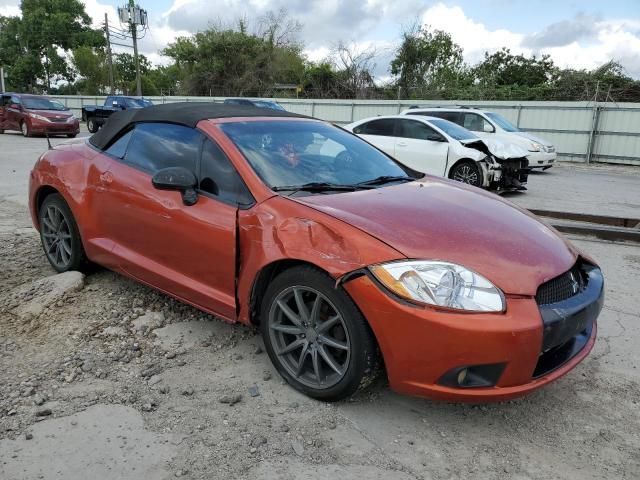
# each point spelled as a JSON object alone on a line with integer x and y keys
{"x": 471, "y": 376}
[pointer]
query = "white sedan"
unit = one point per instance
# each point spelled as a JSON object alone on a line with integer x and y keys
{"x": 438, "y": 147}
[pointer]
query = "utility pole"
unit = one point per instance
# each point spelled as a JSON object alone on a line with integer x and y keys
{"x": 109, "y": 57}
{"x": 2, "y": 79}
{"x": 134, "y": 35}
{"x": 134, "y": 16}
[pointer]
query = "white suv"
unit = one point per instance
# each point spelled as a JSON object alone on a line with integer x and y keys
{"x": 490, "y": 125}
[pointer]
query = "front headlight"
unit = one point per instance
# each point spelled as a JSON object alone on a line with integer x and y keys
{"x": 71, "y": 119}
{"x": 534, "y": 147}
{"x": 441, "y": 284}
{"x": 39, "y": 117}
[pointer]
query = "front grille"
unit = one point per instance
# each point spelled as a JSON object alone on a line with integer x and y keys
{"x": 58, "y": 120}
{"x": 561, "y": 288}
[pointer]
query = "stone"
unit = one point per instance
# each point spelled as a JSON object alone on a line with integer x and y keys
{"x": 230, "y": 399}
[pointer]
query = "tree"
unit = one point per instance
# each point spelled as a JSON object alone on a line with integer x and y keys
{"x": 30, "y": 46}
{"x": 427, "y": 60}
{"x": 91, "y": 65}
{"x": 354, "y": 69}
{"x": 232, "y": 61}
{"x": 503, "y": 68}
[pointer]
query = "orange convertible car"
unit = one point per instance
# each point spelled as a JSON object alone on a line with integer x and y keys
{"x": 346, "y": 259}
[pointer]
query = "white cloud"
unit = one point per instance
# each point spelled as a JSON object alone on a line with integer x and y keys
{"x": 9, "y": 8}
{"x": 612, "y": 39}
{"x": 474, "y": 37}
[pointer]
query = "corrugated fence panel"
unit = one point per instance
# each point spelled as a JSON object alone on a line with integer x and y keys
{"x": 567, "y": 125}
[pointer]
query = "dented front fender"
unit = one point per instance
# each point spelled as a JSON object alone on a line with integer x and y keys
{"x": 275, "y": 230}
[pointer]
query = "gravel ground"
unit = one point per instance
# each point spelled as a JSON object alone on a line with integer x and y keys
{"x": 105, "y": 378}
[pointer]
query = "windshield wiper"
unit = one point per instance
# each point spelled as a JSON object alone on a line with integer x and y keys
{"x": 318, "y": 187}
{"x": 385, "y": 179}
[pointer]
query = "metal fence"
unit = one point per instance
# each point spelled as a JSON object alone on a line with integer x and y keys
{"x": 581, "y": 131}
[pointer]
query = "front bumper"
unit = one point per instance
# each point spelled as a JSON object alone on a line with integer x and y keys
{"x": 420, "y": 345}
{"x": 542, "y": 159}
{"x": 54, "y": 128}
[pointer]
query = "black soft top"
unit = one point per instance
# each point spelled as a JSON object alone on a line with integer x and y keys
{"x": 181, "y": 113}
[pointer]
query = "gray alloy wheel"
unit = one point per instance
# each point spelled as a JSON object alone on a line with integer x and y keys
{"x": 24, "y": 129}
{"x": 310, "y": 337}
{"x": 315, "y": 335}
{"x": 467, "y": 172}
{"x": 56, "y": 237}
{"x": 60, "y": 236}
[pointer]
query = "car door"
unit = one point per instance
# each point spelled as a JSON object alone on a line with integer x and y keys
{"x": 379, "y": 132}
{"x": 187, "y": 251}
{"x": 13, "y": 113}
{"x": 420, "y": 147}
{"x": 4, "y": 103}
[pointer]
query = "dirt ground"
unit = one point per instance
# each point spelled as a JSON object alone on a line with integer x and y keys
{"x": 103, "y": 378}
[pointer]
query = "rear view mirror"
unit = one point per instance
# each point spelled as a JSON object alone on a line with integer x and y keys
{"x": 179, "y": 179}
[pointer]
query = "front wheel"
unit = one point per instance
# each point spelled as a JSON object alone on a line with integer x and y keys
{"x": 316, "y": 337}
{"x": 92, "y": 125}
{"x": 467, "y": 172}
{"x": 60, "y": 235}
{"x": 25, "y": 129}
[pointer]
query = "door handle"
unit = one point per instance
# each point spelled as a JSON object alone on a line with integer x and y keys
{"x": 402, "y": 144}
{"x": 106, "y": 178}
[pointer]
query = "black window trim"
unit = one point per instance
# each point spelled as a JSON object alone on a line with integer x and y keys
{"x": 393, "y": 133}
{"x": 238, "y": 205}
{"x": 203, "y": 138}
{"x": 443, "y": 139}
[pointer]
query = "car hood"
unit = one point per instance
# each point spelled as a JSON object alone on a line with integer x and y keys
{"x": 498, "y": 148}
{"x": 530, "y": 136}
{"x": 438, "y": 219}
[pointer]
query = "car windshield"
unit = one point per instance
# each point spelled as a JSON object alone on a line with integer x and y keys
{"x": 138, "y": 102}
{"x": 502, "y": 122}
{"x": 34, "y": 103}
{"x": 297, "y": 153}
{"x": 271, "y": 105}
{"x": 453, "y": 130}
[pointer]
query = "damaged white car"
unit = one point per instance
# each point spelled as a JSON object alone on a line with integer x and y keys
{"x": 439, "y": 147}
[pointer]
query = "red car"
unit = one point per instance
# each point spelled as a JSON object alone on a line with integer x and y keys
{"x": 347, "y": 260}
{"x": 36, "y": 115}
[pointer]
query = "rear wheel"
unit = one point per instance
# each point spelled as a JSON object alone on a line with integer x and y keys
{"x": 467, "y": 172}
{"x": 25, "y": 129}
{"x": 60, "y": 235}
{"x": 316, "y": 337}
{"x": 92, "y": 125}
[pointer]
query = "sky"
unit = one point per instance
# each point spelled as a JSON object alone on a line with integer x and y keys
{"x": 576, "y": 34}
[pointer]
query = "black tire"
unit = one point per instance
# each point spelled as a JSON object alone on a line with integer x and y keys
{"x": 361, "y": 359}
{"x": 92, "y": 125}
{"x": 63, "y": 248}
{"x": 72, "y": 135}
{"x": 25, "y": 129}
{"x": 1, "y": 130}
{"x": 468, "y": 172}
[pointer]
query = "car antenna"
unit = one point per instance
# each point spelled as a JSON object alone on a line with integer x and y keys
{"x": 48, "y": 141}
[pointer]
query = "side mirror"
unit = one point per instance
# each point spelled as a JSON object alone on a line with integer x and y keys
{"x": 436, "y": 138}
{"x": 488, "y": 128}
{"x": 15, "y": 106}
{"x": 179, "y": 179}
